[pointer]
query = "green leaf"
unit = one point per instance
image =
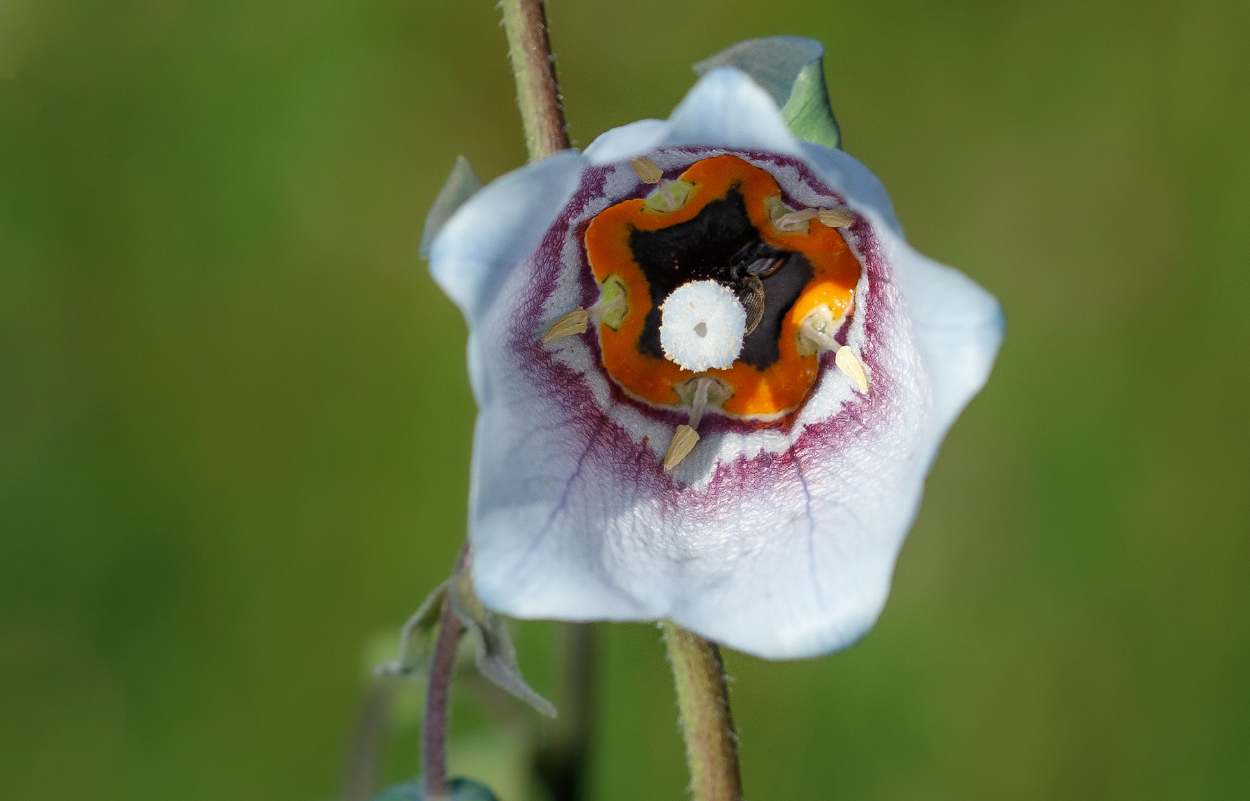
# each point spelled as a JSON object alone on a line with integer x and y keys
{"x": 496, "y": 657}
{"x": 791, "y": 69}
{"x": 458, "y": 789}
{"x": 460, "y": 186}
{"x": 416, "y": 639}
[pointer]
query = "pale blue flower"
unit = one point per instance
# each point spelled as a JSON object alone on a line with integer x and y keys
{"x": 774, "y": 537}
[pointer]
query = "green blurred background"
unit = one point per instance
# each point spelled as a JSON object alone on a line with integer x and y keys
{"x": 234, "y": 419}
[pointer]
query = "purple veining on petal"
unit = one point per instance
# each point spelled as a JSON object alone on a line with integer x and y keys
{"x": 594, "y": 434}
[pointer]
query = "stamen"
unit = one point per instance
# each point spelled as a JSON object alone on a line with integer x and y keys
{"x": 849, "y": 364}
{"x": 572, "y": 323}
{"x": 843, "y": 357}
{"x": 818, "y": 338}
{"x": 700, "y": 392}
{"x": 646, "y": 169}
{"x": 789, "y": 222}
{"x": 615, "y": 307}
{"x": 684, "y": 439}
{"x": 835, "y": 218}
{"x": 699, "y": 406}
{"x": 669, "y": 196}
{"x": 786, "y": 220}
{"x": 795, "y": 221}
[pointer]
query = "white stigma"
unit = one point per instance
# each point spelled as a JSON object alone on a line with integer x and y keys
{"x": 702, "y": 324}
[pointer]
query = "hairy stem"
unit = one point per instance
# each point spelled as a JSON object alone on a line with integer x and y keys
{"x": 533, "y": 66}
{"x": 438, "y": 695}
{"x": 703, "y": 701}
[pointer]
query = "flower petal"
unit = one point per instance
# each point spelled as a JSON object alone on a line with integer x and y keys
{"x": 791, "y": 69}
{"x": 625, "y": 142}
{"x": 818, "y": 579}
{"x": 728, "y": 109}
{"x": 494, "y": 231}
{"x": 959, "y": 326}
{"x": 844, "y": 173}
{"x": 779, "y": 542}
{"x": 541, "y": 500}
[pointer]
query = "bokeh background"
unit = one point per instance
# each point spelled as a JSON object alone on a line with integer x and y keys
{"x": 234, "y": 419}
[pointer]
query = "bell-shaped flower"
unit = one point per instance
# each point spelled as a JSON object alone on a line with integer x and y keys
{"x": 711, "y": 374}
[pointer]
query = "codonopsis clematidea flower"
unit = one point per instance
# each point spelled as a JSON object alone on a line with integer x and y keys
{"x": 711, "y": 376}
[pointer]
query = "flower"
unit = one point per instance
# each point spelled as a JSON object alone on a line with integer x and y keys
{"x": 711, "y": 377}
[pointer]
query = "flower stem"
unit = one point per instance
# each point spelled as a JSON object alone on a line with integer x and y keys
{"x": 533, "y": 66}
{"x": 438, "y": 696}
{"x": 703, "y": 701}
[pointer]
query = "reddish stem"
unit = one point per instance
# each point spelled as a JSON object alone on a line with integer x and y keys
{"x": 438, "y": 694}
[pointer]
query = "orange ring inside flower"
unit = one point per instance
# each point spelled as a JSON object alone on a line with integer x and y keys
{"x": 763, "y": 393}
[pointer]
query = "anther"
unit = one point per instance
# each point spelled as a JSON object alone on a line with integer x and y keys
{"x": 669, "y": 195}
{"x": 794, "y": 221}
{"x": 843, "y": 357}
{"x": 686, "y": 436}
{"x": 646, "y": 169}
{"x": 849, "y": 364}
{"x": 572, "y": 323}
{"x": 684, "y": 440}
{"x": 834, "y": 218}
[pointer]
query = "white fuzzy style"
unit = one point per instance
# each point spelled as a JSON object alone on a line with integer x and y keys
{"x": 702, "y": 324}
{"x": 793, "y": 558}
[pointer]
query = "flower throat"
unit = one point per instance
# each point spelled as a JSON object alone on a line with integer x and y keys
{"x": 723, "y": 221}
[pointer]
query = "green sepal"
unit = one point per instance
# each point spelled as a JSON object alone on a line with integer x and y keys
{"x": 417, "y": 638}
{"x": 458, "y": 789}
{"x": 791, "y": 69}
{"x": 460, "y": 186}
{"x": 496, "y": 656}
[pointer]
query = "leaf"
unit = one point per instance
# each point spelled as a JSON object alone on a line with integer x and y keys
{"x": 791, "y": 69}
{"x": 458, "y": 789}
{"x": 460, "y": 186}
{"x": 416, "y": 639}
{"x": 496, "y": 657}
